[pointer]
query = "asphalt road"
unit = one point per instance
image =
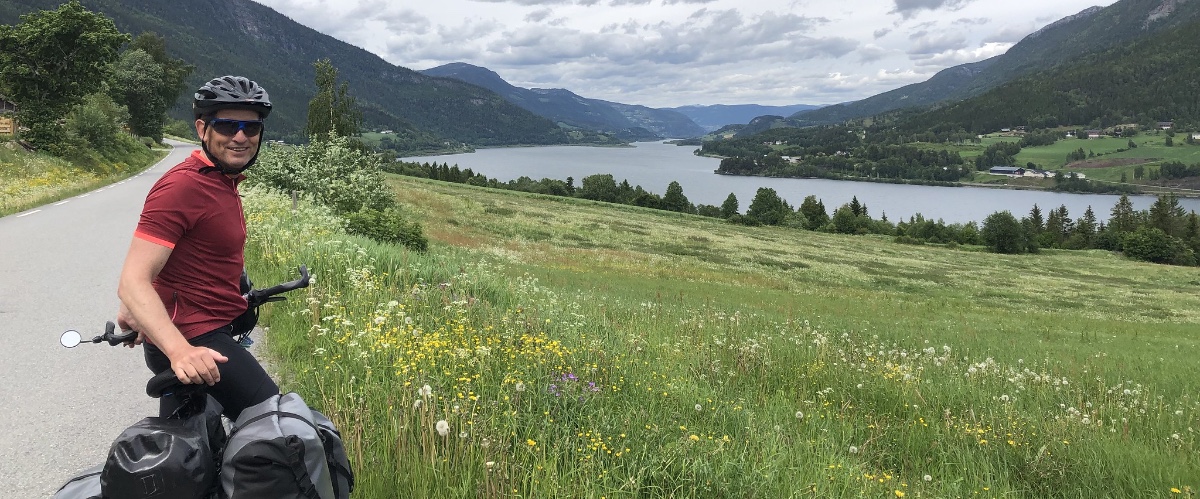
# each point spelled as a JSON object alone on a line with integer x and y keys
{"x": 61, "y": 408}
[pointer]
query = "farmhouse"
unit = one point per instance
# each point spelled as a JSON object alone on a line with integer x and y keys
{"x": 1166, "y": 125}
{"x": 1007, "y": 170}
{"x": 1094, "y": 134}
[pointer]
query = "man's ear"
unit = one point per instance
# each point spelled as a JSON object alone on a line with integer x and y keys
{"x": 200, "y": 129}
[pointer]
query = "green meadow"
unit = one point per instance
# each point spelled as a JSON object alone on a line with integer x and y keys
{"x": 548, "y": 347}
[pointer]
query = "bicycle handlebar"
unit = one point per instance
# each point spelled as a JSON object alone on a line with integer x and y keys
{"x": 259, "y": 296}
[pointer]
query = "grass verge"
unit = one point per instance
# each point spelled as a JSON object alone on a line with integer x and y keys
{"x": 551, "y": 347}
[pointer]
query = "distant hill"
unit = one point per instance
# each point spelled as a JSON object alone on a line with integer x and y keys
{"x": 565, "y": 107}
{"x": 243, "y": 37}
{"x": 712, "y": 118}
{"x": 1091, "y": 31}
{"x": 1146, "y": 82}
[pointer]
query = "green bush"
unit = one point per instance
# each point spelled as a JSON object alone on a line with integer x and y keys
{"x": 1151, "y": 244}
{"x": 346, "y": 179}
{"x": 387, "y": 226}
{"x": 334, "y": 172}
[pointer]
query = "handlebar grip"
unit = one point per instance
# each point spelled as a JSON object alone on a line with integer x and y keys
{"x": 162, "y": 382}
{"x": 112, "y": 338}
{"x": 302, "y": 282}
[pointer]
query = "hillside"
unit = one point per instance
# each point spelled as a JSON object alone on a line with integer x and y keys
{"x": 243, "y": 37}
{"x": 1145, "y": 82}
{"x": 1091, "y": 31}
{"x": 563, "y": 106}
{"x": 713, "y": 117}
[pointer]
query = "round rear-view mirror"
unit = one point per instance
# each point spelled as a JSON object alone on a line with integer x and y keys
{"x": 70, "y": 339}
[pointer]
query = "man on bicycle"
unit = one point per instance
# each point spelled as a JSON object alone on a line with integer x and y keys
{"x": 180, "y": 286}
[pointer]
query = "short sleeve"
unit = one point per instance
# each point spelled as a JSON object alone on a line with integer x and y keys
{"x": 169, "y": 211}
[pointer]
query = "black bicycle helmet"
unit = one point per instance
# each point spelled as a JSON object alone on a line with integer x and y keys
{"x": 231, "y": 92}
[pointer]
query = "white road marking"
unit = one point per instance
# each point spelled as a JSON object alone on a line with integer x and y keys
{"x": 28, "y": 213}
{"x": 60, "y": 203}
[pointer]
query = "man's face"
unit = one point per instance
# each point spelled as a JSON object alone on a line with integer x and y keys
{"x": 236, "y": 150}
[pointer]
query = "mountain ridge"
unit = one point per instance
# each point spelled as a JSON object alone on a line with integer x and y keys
{"x": 247, "y": 38}
{"x": 1092, "y": 30}
{"x": 629, "y": 121}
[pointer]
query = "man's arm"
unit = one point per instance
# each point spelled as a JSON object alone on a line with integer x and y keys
{"x": 142, "y": 264}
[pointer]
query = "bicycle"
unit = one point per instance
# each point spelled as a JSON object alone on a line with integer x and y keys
{"x": 196, "y": 409}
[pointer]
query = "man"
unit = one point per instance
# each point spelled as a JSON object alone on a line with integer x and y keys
{"x": 180, "y": 285}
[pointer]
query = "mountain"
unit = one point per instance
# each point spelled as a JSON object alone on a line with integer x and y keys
{"x": 1093, "y": 30}
{"x": 243, "y": 37}
{"x": 567, "y": 108}
{"x": 1146, "y": 82}
{"x": 712, "y": 118}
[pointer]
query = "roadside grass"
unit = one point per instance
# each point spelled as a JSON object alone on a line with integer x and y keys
{"x": 29, "y": 180}
{"x": 580, "y": 349}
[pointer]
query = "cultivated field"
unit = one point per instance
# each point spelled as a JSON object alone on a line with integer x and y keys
{"x": 563, "y": 348}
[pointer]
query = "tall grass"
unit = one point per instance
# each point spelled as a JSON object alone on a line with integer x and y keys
{"x": 29, "y": 180}
{"x": 562, "y": 348}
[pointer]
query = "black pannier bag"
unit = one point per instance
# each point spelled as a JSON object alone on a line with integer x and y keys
{"x": 84, "y": 485}
{"x": 281, "y": 449}
{"x": 173, "y": 457}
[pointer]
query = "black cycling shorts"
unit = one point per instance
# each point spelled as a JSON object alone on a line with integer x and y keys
{"x": 244, "y": 382}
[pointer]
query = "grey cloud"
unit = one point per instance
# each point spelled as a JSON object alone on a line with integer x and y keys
{"x": 872, "y": 53}
{"x": 771, "y": 37}
{"x": 910, "y": 8}
{"x": 880, "y": 33}
{"x": 1009, "y": 34}
{"x": 978, "y": 21}
{"x": 927, "y": 44}
{"x": 673, "y": 2}
{"x": 538, "y": 16}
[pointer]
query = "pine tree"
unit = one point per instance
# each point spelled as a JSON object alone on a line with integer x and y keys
{"x": 730, "y": 207}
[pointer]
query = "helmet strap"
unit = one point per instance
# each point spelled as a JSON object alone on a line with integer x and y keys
{"x": 226, "y": 169}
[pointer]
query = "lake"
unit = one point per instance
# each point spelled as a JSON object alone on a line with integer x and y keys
{"x": 654, "y": 165}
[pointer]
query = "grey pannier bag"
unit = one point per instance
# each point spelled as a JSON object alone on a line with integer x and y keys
{"x": 275, "y": 451}
{"x": 84, "y": 485}
{"x": 335, "y": 453}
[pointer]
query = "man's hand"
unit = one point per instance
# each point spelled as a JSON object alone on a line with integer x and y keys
{"x": 126, "y": 322}
{"x": 195, "y": 365}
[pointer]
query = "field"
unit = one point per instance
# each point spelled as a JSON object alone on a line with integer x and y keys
{"x": 1110, "y": 158}
{"x": 562, "y": 348}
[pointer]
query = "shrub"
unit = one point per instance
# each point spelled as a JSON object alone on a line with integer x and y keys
{"x": 387, "y": 226}
{"x": 334, "y": 172}
{"x": 346, "y": 179}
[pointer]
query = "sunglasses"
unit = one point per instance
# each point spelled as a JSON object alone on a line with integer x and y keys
{"x": 229, "y": 128}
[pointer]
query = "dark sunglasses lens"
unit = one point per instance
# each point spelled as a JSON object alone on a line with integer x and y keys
{"x": 230, "y": 128}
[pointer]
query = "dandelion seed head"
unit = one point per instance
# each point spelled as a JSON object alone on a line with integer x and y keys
{"x": 442, "y": 427}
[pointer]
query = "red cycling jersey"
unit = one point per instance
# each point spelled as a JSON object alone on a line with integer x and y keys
{"x": 195, "y": 210}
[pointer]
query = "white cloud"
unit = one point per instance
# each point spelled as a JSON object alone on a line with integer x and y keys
{"x": 675, "y": 52}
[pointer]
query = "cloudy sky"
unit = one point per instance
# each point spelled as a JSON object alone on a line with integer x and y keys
{"x": 665, "y": 53}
